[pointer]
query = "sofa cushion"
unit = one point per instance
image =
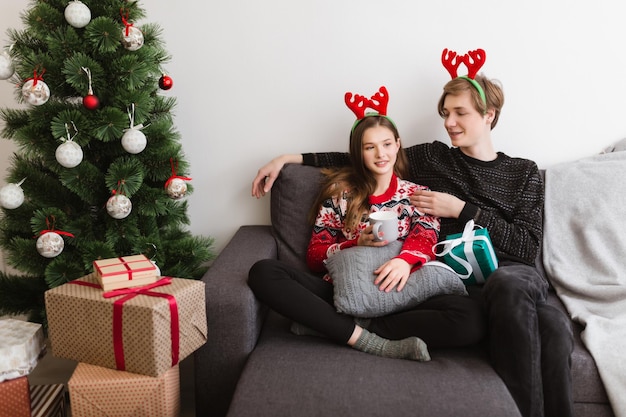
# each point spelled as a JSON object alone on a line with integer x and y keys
{"x": 289, "y": 375}
{"x": 293, "y": 194}
{"x": 355, "y": 293}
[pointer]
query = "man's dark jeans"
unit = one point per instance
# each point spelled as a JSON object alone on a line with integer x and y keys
{"x": 530, "y": 341}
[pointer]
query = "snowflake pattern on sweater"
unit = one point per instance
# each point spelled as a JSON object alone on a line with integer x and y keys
{"x": 418, "y": 231}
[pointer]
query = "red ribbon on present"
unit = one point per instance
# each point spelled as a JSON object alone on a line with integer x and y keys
{"x": 129, "y": 293}
{"x": 174, "y": 174}
{"x": 128, "y": 266}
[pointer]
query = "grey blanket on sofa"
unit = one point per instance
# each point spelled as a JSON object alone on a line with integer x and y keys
{"x": 585, "y": 258}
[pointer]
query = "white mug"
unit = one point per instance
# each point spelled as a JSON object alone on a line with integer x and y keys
{"x": 385, "y": 225}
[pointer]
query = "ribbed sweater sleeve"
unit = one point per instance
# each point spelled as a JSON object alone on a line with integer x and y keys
{"x": 326, "y": 160}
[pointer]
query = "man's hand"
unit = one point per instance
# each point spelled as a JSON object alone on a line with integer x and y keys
{"x": 437, "y": 204}
{"x": 267, "y": 174}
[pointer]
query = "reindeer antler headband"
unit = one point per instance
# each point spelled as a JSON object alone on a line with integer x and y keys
{"x": 473, "y": 60}
{"x": 358, "y": 104}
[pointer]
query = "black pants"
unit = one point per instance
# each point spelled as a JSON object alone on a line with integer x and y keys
{"x": 530, "y": 341}
{"x": 442, "y": 321}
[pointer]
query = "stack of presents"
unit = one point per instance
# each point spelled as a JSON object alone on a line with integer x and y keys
{"x": 128, "y": 328}
{"x": 22, "y": 344}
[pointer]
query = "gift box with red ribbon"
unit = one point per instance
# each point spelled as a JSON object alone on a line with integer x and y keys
{"x": 95, "y": 390}
{"x": 125, "y": 272}
{"x": 144, "y": 330}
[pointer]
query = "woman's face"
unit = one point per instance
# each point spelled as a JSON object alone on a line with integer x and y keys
{"x": 464, "y": 124}
{"x": 380, "y": 150}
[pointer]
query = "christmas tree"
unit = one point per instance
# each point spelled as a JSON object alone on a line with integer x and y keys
{"x": 99, "y": 171}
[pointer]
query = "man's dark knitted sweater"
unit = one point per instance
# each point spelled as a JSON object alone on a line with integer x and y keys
{"x": 505, "y": 195}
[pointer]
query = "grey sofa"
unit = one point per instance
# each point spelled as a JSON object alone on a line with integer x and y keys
{"x": 252, "y": 365}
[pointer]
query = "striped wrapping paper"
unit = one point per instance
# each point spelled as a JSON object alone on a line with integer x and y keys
{"x": 48, "y": 400}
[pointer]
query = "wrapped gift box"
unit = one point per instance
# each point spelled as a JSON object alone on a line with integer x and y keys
{"x": 470, "y": 254}
{"x": 144, "y": 330}
{"x": 21, "y": 345}
{"x": 97, "y": 391}
{"x": 15, "y": 398}
{"x": 125, "y": 272}
{"x": 48, "y": 400}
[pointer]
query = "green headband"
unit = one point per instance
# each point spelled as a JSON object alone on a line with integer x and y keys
{"x": 357, "y": 121}
{"x": 477, "y": 87}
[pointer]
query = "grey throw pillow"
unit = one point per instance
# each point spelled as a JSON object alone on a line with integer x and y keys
{"x": 355, "y": 294}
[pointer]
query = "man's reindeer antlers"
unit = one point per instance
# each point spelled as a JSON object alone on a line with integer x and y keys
{"x": 473, "y": 60}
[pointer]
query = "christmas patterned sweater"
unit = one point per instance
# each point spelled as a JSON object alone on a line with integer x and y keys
{"x": 419, "y": 232}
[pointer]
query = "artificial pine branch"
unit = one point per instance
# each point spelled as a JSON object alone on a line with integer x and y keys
{"x": 73, "y": 200}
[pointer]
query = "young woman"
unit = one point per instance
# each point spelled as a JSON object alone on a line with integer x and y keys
{"x": 530, "y": 342}
{"x": 370, "y": 184}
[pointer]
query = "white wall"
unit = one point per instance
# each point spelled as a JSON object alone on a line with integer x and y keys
{"x": 255, "y": 79}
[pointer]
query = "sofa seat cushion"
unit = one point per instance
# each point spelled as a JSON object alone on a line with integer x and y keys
{"x": 289, "y": 375}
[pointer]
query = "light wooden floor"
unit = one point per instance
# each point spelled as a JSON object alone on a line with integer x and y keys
{"x": 53, "y": 370}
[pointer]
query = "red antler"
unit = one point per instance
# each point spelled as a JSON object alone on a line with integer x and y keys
{"x": 477, "y": 61}
{"x": 449, "y": 62}
{"x": 357, "y": 105}
{"x": 379, "y": 101}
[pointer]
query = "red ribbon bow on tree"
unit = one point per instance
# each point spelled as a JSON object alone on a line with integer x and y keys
{"x": 125, "y": 21}
{"x": 52, "y": 229}
{"x": 37, "y": 77}
{"x": 174, "y": 176}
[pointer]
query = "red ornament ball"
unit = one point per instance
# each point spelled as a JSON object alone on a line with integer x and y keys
{"x": 166, "y": 82}
{"x": 91, "y": 102}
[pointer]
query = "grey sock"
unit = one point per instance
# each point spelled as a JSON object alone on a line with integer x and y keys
{"x": 302, "y": 330}
{"x": 410, "y": 348}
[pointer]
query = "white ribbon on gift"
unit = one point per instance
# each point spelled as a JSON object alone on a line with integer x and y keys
{"x": 467, "y": 239}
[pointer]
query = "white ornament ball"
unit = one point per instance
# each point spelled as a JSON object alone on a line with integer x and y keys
{"x": 177, "y": 188}
{"x": 6, "y": 66}
{"x": 134, "y": 40}
{"x": 11, "y": 196}
{"x": 50, "y": 244}
{"x": 69, "y": 154}
{"x": 35, "y": 94}
{"x": 119, "y": 206}
{"x": 158, "y": 270}
{"x": 77, "y": 14}
{"x": 134, "y": 141}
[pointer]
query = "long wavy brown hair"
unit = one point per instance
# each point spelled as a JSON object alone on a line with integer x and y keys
{"x": 356, "y": 177}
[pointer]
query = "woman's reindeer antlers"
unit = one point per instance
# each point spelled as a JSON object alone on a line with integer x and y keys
{"x": 473, "y": 60}
{"x": 358, "y": 104}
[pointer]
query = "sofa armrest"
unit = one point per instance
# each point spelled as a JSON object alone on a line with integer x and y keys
{"x": 234, "y": 319}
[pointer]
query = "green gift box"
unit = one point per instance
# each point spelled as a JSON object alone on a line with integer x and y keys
{"x": 470, "y": 254}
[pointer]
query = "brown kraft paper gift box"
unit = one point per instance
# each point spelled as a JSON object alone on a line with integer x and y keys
{"x": 133, "y": 333}
{"x": 125, "y": 272}
{"x": 98, "y": 391}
